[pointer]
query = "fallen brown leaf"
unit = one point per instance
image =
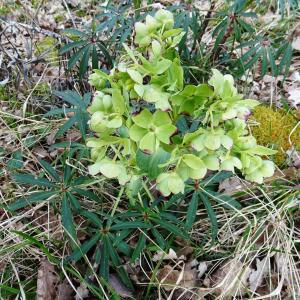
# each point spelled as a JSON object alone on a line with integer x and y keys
{"x": 170, "y": 278}
{"x": 46, "y": 281}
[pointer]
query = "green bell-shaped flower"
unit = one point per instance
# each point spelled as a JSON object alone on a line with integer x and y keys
{"x": 168, "y": 183}
{"x": 110, "y": 169}
{"x": 97, "y": 81}
{"x": 101, "y": 121}
{"x": 149, "y": 130}
{"x": 101, "y": 102}
{"x": 212, "y": 140}
{"x": 228, "y": 164}
{"x": 165, "y": 18}
{"x": 257, "y": 174}
{"x": 191, "y": 166}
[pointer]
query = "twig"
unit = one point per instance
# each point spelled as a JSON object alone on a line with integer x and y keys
{"x": 27, "y": 99}
{"x": 37, "y": 29}
{"x": 69, "y": 13}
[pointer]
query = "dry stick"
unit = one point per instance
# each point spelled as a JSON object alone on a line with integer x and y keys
{"x": 69, "y": 13}
{"x": 37, "y": 29}
{"x": 27, "y": 99}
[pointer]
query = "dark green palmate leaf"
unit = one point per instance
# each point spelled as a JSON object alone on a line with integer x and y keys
{"x": 192, "y": 211}
{"x": 79, "y": 107}
{"x": 150, "y": 164}
{"x": 33, "y": 198}
{"x": 225, "y": 200}
{"x": 66, "y": 126}
{"x": 212, "y": 216}
{"x": 84, "y": 248}
{"x": 68, "y": 47}
{"x": 32, "y": 180}
{"x": 67, "y": 220}
{"x": 104, "y": 261}
{"x": 49, "y": 169}
{"x": 171, "y": 228}
{"x": 139, "y": 247}
{"x": 128, "y": 225}
{"x": 117, "y": 263}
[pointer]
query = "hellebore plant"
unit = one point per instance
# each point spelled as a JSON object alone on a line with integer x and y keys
{"x": 143, "y": 108}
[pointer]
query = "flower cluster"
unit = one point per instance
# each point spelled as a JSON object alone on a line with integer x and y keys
{"x": 144, "y": 105}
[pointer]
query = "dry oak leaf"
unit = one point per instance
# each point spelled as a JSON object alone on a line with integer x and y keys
{"x": 46, "y": 281}
{"x": 161, "y": 255}
{"x": 170, "y": 278}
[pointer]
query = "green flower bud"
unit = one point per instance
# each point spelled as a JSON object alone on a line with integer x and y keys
{"x": 165, "y": 18}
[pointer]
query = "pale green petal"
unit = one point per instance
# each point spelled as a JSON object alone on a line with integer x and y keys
{"x": 211, "y": 162}
{"x": 162, "y": 184}
{"x": 136, "y": 133}
{"x": 97, "y": 122}
{"x": 139, "y": 89}
{"x": 197, "y": 174}
{"x": 151, "y": 23}
{"x": 140, "y": 29}
{"x": 123, "y": 177}
{"x": 115, "y": 122}
{"x": 212, "y": 142}
{"x": 163, "y": 133}
{"x": 183, "y": 171}
{"x": 227, "y": 165}
{"x": 156, "y": 48}
{"x": 135, "y": 76}
{"x": 111, "y": 169}
{"x": 145, "y": 41}
{"x": 107, "y": 102}
{"x": 255, "y": 177}
{"x": 163, "y": 104}
{"x": 97, "y": 104}
{"x": 175, "y": 183}
{"x": 95, "y": 168}
{"x": 107, "y": 167}
{"x": 193, "y": 162}
{"x": 143, "y": 119}
{"x": 226, "y": 142}
{"x": 245, "y": 159}
{"x": 217, "y": 81}
{"x": 236, "y": 162}
{"x": 161, "y": 118}
{"x": 267, "y": 168}
{"x": 148, "y": 143}
{"x": 229, "y": 114}
{"x": 198, "y": 143}
{"x": 166, "y": 18}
